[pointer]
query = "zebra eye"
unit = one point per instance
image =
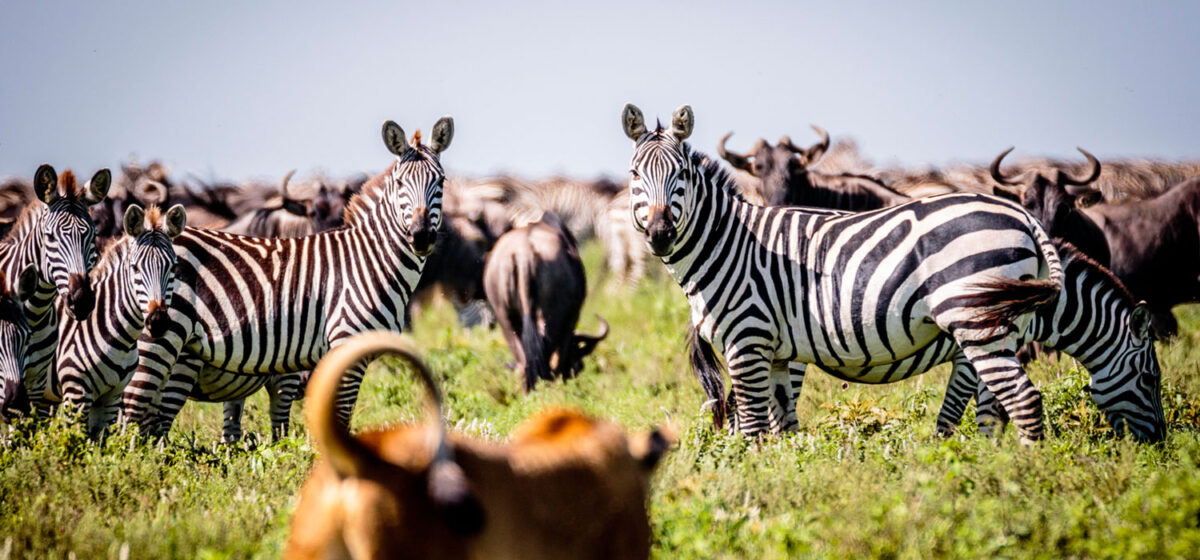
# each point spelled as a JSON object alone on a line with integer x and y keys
{"x": 633, "y": 173}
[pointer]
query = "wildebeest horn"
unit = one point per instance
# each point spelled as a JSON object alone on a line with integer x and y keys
{"x": 1069, "y": 180}
{"x": 598, "y": 336}
{"x": 995, "y": 168}
{"x": 735, "y": 159}
{"x": 283, "y": 186}
{"x": 821, "y": 146}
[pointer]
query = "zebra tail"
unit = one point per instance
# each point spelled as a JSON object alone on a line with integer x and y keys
{"x": 1005, "y": 299}
{"x": 708, "y": 370}
{"x": 447, "y": 485}
{"x": 532, "y": 344}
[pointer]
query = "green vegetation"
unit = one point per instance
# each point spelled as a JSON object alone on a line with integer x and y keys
{"x": 864, "y": 477}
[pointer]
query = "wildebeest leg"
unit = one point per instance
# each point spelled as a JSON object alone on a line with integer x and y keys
{"x": 1165, "y": 325}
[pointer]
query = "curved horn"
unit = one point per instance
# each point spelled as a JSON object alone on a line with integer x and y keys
{"x": 598, "y": 336}
{"x": 995, "y": 168}
{"x": 348, "y": 456}
{"x": 283, "y": 186}
{"x": 786, "y": 142}
{"x": 735, "y": 159}
{"x": 1095, "y": 174}
{"x": 824, "y": 143}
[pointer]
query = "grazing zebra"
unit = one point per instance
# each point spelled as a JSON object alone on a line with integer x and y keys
{"x": 265, "y": 307}
{"x": 134, "y": 281}
{"x": 857, "y": 294}
{"x": 14, "y": 334}
{"x": 57, "y": 236}
{"x": 1096, "y": 320}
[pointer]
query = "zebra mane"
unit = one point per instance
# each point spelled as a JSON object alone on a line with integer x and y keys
{"x": 111, "y": 257}
{"x": 372, "y": 191}
{"x": 31, "y": 213}
{"x": 713, "y": 172}
{"x": 1070, "y": 253}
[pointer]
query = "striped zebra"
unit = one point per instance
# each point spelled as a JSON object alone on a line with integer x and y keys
{"x": 134, "y": 282}
{"x": 14, "y": 335}
{"x": 860, "y": 295}
{"x": 262, "y": 307}
{"x": 57, "y": 236}
{"x": 1097, "y": 321}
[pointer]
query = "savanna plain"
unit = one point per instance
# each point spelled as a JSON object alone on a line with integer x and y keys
{"x": 864, "y": 477}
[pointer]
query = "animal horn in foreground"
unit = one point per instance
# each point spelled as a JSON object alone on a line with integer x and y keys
{"x": 448, "y": 486}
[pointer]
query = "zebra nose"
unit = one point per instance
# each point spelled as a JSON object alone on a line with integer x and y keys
{"x": 156, "y": 319}
{"x": 661, "y": 230}
{"x": 421, "y": 231}
{"x": 80, "y": 297}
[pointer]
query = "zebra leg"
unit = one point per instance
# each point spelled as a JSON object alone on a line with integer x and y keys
{"x": 176, "y": 391}
{"x": 156, "y": 358}
{"x": 786, "y": 380}
{"x": 282, "y": 390}
{"x": 995, "y": 359}
{"x": 751, "y": 381}
{"x": 103, "y": 413}
{"x": 990, "y": 414}
{"x": 959, "y": 391}
{"x": 231, "y": 428}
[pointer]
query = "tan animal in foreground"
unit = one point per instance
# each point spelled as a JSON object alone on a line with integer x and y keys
{"x": 566, "y": 486}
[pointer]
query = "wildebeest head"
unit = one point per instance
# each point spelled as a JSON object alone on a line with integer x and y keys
{"x": 659, "y": 177}
{"x": 416, "y": 181}
{"x": 14, "y": 333}
{"x": 776, "y": 166}
{"x": 1047, "y": 196}
{"x": 585, "y": 344}
{"x": 328, "y": 207}
{"x": 68, "y": 234}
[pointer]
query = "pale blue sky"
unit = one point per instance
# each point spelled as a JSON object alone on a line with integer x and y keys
{"x": 257, "y": 88}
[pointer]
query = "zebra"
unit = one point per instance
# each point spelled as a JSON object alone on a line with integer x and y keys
{"x": 56, "y": 235}
{"x": 1098, "y": 321}
{"x": 861, "y": 295}
{"x": 134, "y": 282}
{"x": 265, "y": 307}
{"x": 14, "y": 335}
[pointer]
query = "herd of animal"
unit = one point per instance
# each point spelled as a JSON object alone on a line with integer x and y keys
{"x": 121, "y": 299}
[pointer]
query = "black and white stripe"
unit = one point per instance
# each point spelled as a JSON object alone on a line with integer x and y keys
{"x": 860, "y": 295}
{"x": 256, "y": 306}
{"x": 56, "y": 235}
{"x": 134, "y": 283}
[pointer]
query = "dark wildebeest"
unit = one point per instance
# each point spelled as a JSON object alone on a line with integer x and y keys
{"x": 788, "y": 181}
{"x": 1155, "y": 247}
{"x": 455, "y": 266}
{"x": 1051, "y": 199}
{"x": 536, "y": 285}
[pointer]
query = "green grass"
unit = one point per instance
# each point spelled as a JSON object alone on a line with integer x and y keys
{"x": 865, "y": 475}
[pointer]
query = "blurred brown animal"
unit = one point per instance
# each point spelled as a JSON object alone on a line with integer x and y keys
{"x": 565, "y": 486}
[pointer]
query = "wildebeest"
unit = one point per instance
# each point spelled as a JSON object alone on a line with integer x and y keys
{"x": 286, "y": 216}
{"x": 456, "y": 267}
{"x": 565, "y": 486}
{"x": 787, "y": 179}
{"x": 535, "y": 282}
{"x": 1051, "y": 199}
{"x": 1155, "y": 248}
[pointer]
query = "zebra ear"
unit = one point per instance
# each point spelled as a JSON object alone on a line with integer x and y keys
{"x": 443, "y": 132}
{"x": 176, "y": 220}
{"x": 98, "y": 187}
{"x": 135, "y": 220}
{"x": 633, "y": 122}
{"x": 27, "y": 283}
{"x": 682, "y": 122}
{"x": 1141, "y": 321}
{"x": 394, "y": 139}
{"x": 45, "y": 183}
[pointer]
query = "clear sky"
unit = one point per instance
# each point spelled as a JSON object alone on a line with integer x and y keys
{"x": 245, "y": 89}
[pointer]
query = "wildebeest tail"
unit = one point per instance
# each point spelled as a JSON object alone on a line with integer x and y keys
{"x": 536, "y": 364}
{"x": 708, "y": 370}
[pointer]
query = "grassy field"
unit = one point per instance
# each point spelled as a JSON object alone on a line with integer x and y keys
{"x": 865, "y": 476}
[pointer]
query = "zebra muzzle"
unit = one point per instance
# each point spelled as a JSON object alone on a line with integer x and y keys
{"x": 660, "y": 229}
{"x": 156, "y": 319}
{"x": 423, "y": 234}
{"x": 80, "y": 297}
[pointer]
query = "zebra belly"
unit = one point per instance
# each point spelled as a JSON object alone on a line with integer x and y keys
{"x": 214, "y": 385}
{"x": 936, "y": 352}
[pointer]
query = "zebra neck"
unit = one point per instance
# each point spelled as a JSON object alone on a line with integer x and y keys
{"x": 711, "y": 217}
{"x": 23, "y": 248}
{"x": 381, "y": 230}
{"x": 1089, "y": 321}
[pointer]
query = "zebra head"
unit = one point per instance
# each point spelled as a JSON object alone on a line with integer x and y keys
{"x": 1129, "y": 387}
{"x": 659, "y": 174}
{"x": 415, "y": 181}
{"x": 14, "y": 332}
{"x": 152, "y": 260}
{"x": 68, "y": 235}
